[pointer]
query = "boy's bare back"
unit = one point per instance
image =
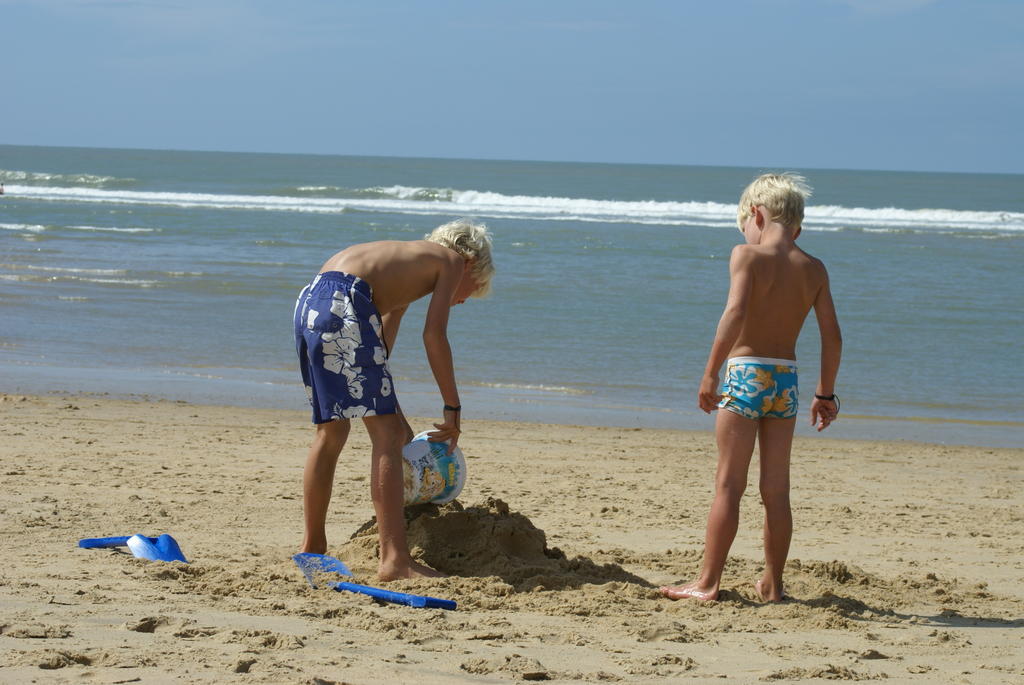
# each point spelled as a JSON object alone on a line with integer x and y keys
{"x": 782, "y": 284}
{"x": 400, "y": 272}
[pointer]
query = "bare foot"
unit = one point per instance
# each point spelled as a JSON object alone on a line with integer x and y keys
{"x": 314, "y": 544}
{"x": 766, "y": 592}
{"x": 691, "y": 591}
{"x": 410, "y": 570}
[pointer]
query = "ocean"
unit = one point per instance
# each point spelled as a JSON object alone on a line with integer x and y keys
{"x": 171, "y": 274}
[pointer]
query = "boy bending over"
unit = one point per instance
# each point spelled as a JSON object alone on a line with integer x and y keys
{"x": 773, "y": 284}
{"x": 346, "y": 322}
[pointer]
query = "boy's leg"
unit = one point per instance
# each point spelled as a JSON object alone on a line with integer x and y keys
{"x": 776, "y": 442}
{"x": 406, "y": 428}
{"x": 318, "y": 481}
{"x": 736, "y": 435}
{"x": 387, "y": 433}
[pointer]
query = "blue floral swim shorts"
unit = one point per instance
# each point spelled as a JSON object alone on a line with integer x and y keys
{"x": 342, "y": 355}
{"x": 759, "y": 387}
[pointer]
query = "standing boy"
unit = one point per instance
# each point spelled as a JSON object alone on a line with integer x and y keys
{"x": 773, "y": 284}
{"x": 346, "y": 322}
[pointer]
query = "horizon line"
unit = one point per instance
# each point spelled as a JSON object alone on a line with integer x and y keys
{"x": 762, "y": 167}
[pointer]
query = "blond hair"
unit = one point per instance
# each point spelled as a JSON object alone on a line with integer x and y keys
{"x": 473, "y": 241}
{"x": 782, "y": 195}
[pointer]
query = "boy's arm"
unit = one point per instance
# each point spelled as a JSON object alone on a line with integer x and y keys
{"x": 729, "y": 326}
{"x": 389, "y": 324}
{"x": 823, "y": 412}
{"x": 439, "y": 351}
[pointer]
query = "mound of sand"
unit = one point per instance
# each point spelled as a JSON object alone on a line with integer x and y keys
{"x": 482, "y": 540}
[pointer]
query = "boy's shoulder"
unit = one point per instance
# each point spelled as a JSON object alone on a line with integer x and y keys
{"x": 749, "y": 253}
{"x": 746, "y": 254}
{"x": 812, "y": 260}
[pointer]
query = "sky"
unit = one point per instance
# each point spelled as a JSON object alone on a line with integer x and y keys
{"x": 924, "y": 85}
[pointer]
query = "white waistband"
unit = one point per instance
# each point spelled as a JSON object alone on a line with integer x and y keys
{"x": 767, "y": 361}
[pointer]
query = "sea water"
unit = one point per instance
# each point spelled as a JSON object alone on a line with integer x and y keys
{"x": 173, "y": 275}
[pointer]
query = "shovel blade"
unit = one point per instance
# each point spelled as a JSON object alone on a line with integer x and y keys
{"x": 313, "y": 565}
{"x": 164, "y": 548}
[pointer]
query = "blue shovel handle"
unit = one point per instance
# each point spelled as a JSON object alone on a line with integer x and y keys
{"x": 312, "y": 564}
{"x": 418, "y": 601}
{"x": 98, "y": 543}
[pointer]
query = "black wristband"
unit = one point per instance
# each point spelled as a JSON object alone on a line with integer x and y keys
{"x": 834, "y": 398}
{"x": 449, "y": 407}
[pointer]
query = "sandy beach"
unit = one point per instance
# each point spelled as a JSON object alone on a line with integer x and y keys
{"x": 907, "y": 561}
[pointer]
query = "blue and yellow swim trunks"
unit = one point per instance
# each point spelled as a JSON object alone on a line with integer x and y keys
{"x": 760, "y": 387}
{"x": 342, "y": 356}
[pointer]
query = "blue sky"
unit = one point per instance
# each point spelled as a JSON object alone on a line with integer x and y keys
{"x": 935, "y": 85}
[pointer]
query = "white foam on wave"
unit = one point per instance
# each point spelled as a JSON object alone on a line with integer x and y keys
{"x": 897, "y": 218}
{"x": 42, "y": 177}
{"x": 137, "y": 282}
{"x": 557, "y": 389}
{"x": 34, "y": 228}
{"x": 37, "y": 228}
{"x": 485, "y": 204}
{"x": 103, "y": 281}
{"x": 39, "y": 274}
{"x": 67, "y": 270}
{"x": 114, "y": 229}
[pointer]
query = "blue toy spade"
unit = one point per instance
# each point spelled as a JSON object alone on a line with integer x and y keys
{"x": 162, "y": 548}
{"x": 312, "y": 565}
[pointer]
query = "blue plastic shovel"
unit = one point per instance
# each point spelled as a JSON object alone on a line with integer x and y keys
{"x": 162, "y": 548}
{"x": 311, "y": 564}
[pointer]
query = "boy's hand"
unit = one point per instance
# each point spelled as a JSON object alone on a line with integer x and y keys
{"x": 823, "y": 413}
{"x": 448, "y": 430}
{"x": 708, "y": 396}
